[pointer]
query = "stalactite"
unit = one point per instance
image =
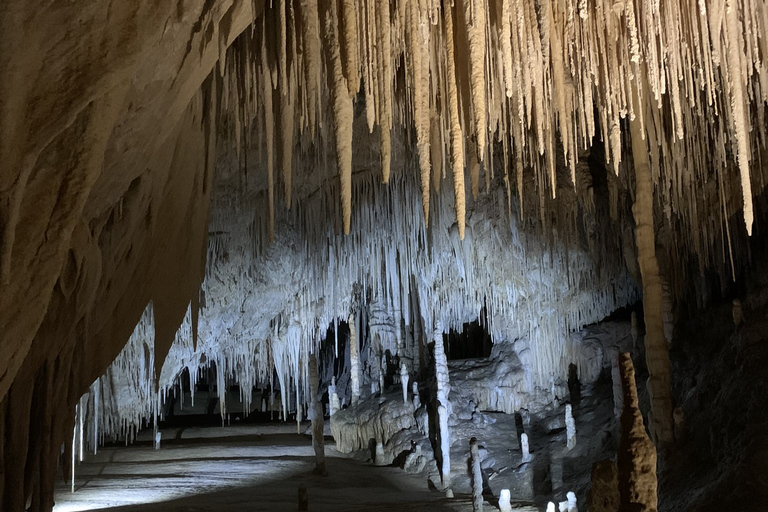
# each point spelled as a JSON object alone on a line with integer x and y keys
{"x": 474, "y": 14}
{"x": 342, "y": 110}
{"x": 457, "y": 137}
{"x": 269, "y": 130}
{"x": 349, "y": 39}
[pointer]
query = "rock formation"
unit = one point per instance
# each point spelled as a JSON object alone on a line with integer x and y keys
{"x": 637, "y": 455}
{"x": 190, "y": 186}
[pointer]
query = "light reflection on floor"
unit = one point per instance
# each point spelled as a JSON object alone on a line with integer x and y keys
{"x": 248, "y": 468}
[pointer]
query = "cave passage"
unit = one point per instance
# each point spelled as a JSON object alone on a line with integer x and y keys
{"x": 383, "y": 255}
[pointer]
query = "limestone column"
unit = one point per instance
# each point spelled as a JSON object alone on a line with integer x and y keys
{"x": 404, "y": 381}
{"x": 477, "y": 476}
{"x": 656, "y": 351}
{"x": 316, "y": 415}
{"x": 637, "y": 455}
{"x": 354, "y": 359}
{"x": 443, "y": 410}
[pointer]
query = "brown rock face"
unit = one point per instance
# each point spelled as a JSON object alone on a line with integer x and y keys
{"x": 637, "y": 454}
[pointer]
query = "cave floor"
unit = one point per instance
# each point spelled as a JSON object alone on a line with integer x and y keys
{"x": 239, "y": 468}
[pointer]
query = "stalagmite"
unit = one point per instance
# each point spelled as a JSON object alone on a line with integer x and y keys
{"x": 477, "y": 476}
{"x": 525, "y": 448}
{"x": 416, "y": 399}
{"x": 443, "y": 410}
{"x": 316, "y": 407}
{"x": 332, "y": 406}
{"x": 636, "y": 455}
{"x": 379, "y": 458}
{"x": 570, "y": 427}
{"x": 354, "y": 360}
{"x": 603, "y": 493}
{"x": 551, "y": 507}
{"x": 571, "y": 497}
{"x": 656, "y": 351}
{"x": 404, "y": 381}
{"x": 504, "y": 501}
{"x": 336, "y": 404}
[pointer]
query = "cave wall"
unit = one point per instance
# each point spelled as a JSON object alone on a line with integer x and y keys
{"x": 107, "y": 147}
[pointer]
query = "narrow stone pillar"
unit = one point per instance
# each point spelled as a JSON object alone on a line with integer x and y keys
{"x": 526, "y": 448}
{"x": 332, "y": 406}
{"x": 354, "y": 359}
{"x": 477, "y": 476}
{"x": 443, "y": 411}
{"x": 570, "y": 428}
{"x": 379, "y": 458}
{"x": 504, "y": 501}
{"x": 416, "y": 399}
{"x": 404, "y": 378}
{"x": 571, "y": 497}
{"x": 637, "y": 455}
{"x": 551, "y": 507}
{"x": 317, "y": 416}
{"x": 656, "y": 350}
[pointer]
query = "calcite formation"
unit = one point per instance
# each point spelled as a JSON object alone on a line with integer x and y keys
{"x": 117, "y": 115}
{"x": 637, "y": 455}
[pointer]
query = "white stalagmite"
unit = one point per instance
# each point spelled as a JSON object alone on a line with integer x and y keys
{"x": 570, "y": 427}
{"x": 404, "y": 380}
{"x": 525, "y": 448}
{"x": 379, "y": 457}
{"x": 504, "y": 501}
{"x": 477, "y": 476}
{"x": 443, "y": 410}
{"x": 332, "y": 406}
{"x": 354, "y": 359}
{"x": 571, "y": 497}
{"x": 551, "y": 507}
